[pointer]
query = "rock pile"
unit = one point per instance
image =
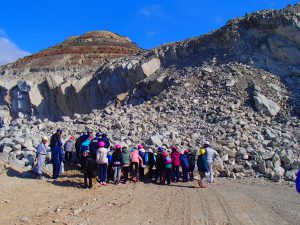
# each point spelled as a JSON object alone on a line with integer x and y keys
{"x": 227, "y": 87}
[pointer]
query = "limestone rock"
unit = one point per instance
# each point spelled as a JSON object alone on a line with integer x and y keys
{"x": 265, "y": 105}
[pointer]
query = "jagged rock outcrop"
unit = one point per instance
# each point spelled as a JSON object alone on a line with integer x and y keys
{"x": 268, "y": 40}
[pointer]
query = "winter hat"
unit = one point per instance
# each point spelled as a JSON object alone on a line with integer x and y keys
{"x": 140, "y": 146}
{"x": 206, "y": 143}
{"x": 118, "y": 146}
{"x": 185, "y": 151}
{"x": 150, "y": 150}
{"x": 101, "y": 144}
{"x": 72, "y": 138}
{"x": 59, "y": 130}
{"x": 174, "y": 147}
{"x": 160, "y": 149}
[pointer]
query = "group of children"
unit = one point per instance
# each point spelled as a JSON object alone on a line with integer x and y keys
{"x": 97, "y": 157}
{"x": 122, "y": 162}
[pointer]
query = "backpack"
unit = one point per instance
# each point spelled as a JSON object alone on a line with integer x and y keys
{"x": 100, "y": 157}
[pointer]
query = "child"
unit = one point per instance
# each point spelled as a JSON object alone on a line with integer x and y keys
{"x": 126, "y": 166}
{"x": 110, "y": 166}
{"x": 117, "y": 163}
{"x": 202, "y": 166}
{"x": 159, "y": 165}
{"x": 150, "y": 161}
{"x": 192, "y": 160}
{"x": 102, "y": 161}
{"x": 175, "y": 156}
{"x": 135, "y": 161}
{"x": 168, "y": 168}
{"x": 142, "y": 154}
{"x": 184, "y": 159}
{"x": 88, "y": 167}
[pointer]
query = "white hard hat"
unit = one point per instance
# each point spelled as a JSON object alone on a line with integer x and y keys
{"x": 45, "y": 138}
{"x": 206, "y": 143}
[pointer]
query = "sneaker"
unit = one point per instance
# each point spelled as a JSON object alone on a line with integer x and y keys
{"x": 104, "y": 183}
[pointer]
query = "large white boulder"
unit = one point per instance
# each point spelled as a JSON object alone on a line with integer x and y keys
{"x": 265, "y": 105}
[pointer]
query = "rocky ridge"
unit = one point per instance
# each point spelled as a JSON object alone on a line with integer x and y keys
{"x": 237, "y": 87}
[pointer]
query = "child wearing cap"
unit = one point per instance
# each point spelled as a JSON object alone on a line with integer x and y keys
{"x": 117, "y": 163}
{"x": 202, "y": 166}
{"x": 184, "y": 160}
{"x": 126, "y": 165}
{"x": 136, "y": 160}
{"x": 88, "y": 165}
{"x": 168, "y": 168}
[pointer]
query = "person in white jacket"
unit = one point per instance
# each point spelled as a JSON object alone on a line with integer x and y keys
{"x": 41, "y": 157}
{"x": 102, "y": 160}
{"x": 211, "y": 154}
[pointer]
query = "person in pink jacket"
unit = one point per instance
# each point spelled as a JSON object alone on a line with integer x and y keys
{"x": 136, "y": 160}
{"x": 175, "y": 156}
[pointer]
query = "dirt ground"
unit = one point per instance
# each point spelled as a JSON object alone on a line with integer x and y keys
{"x": 247, "y": 201}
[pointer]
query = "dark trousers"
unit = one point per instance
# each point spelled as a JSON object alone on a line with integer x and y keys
{"x": 150, "y": 173}
{"x": 110, "y": 173}
{"x": 56, "y": 168}
{"x": 185, "y": 171}
{"x": 135, "y": 170}
{"x": 88, "y": 177}
{"x": 175, "y": 173}
{"x": 167, "y": 177}
{"x": 68, "y": 156}
{"x": 102, "y": 172}
{"x": 125, "y": 173}
{"x": 159, "y": 173}
{"x": 191, "y": 172}
{"x": 141, "y": 172}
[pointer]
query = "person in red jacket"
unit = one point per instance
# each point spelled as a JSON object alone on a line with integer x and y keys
{"x": 175, "y": 156}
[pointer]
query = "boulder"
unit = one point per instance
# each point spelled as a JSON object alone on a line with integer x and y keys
{"x": 231, "y": 152}
{"x": 262, "y": 167}
{"x": 238, "y": 168}
{"x": 36, "y": 97}
{"x": 267, "y": 155}
{"x": 148, "y": 68}
{"x": 154, "y": 140}
{"x": 265, "y": 105}
{"x": 6, "y": 149}
{"x": 290, "y": 176}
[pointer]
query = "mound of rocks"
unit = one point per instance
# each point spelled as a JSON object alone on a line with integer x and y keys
{"x": 227, "y": 87}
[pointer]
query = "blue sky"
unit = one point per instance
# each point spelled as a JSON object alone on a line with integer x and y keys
{"x": 28, "y": 26}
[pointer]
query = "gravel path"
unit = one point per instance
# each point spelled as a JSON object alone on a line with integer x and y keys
{"x": 246, "y": 201}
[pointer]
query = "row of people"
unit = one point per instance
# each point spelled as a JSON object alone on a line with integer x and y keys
{"x": 96, "y": 154}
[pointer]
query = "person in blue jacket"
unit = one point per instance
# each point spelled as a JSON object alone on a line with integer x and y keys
{"x": 105, "y": 139}
{"x": 184, "y": 160}
{"x": 94, "y": 145}
{"x": 298, "y": 181}
{"x": 202, "y": 166}
{"x": 57, "y": 157}
{"x": 85, "y": 146}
